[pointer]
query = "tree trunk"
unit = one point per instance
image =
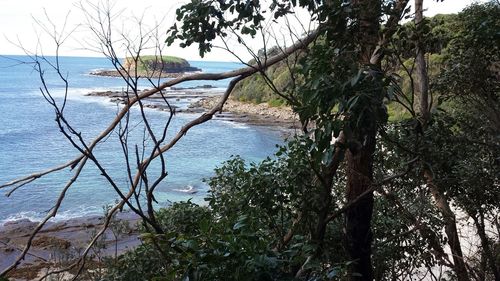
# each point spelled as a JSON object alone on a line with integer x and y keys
{"x": 450, "y": 228}
{"x": 358, "y": 217}
{"x": 360, "y": 163}
{"x": 486, "y": 245}
{"x": 422, "y": 87}
{"x": 422, "y": 79}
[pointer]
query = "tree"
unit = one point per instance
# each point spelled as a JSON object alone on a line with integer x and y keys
{"x": 141, "y": 183}
{"x": 363, "y": 52}
{"x": 469, "y": 82}
{"x": 422, "y": 87}
{"x": 280, "y": 219}
{"x": 357, "y": 139}
{"x": 364, "y": 94}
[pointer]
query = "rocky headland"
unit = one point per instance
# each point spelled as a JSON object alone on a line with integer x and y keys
{"x": 199, "y": 100}
{"x": 150, "y": 67}
{"x": 255, "y": 114}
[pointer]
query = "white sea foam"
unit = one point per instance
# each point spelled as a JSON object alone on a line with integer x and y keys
{"x": 204, "y": 90}
{"x": 77, "y": 212}
{"x": 94, "y": 70}
{"x": 188, "y": 189}
{"x": 80, "y": 95}
{"x": 31, "y": 216}
{"x": 236, "y": 125}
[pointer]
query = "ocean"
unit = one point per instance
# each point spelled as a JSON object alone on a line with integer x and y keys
{"x": 30, "y": 140}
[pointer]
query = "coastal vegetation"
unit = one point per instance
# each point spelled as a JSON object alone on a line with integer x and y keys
{"x": 152, "y": 63}
{"x": 149, "y": 66}
{"x": 394, "y": 175}
{"x": 255, "y": 90}
{"x": 266, "y": 221}
{"x": 441, "y": 29}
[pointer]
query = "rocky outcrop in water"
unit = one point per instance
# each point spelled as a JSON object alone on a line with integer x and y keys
{"x": 151, "y": 67}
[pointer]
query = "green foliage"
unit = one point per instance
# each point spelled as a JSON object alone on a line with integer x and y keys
{"x": 463, "y": 159}
{"x": 155, "y": 63}
{"x": 434, "y": 35}
{"x": 397, "y": 113}
{"x": 203, "y": 21}
{"x": 466, "y": 171}
{"x": 472, "y": 71}
{"x": 276, "y": 102}
{"x": 175, "y": 217}
{"x": 142, "y": 263}
{"x": 199, "y": 246}
{"x": 255, "y": 88}
{"x": 465, "y": 143}
{"x": 236, "y": 186}
{"x": 399, "y": 248}
{"x": 165, "y": 59}
{"x": 239, "y": 235}
{"x": 251, "y": 208}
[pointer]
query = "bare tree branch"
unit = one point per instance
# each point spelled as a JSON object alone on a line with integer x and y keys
{"x": 196, "y": 76}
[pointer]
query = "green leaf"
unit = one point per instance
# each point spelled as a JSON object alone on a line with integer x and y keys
{"x": 355, "y": 79}
{"x": 240, "y": 223}
{"x": 332, "y": 273}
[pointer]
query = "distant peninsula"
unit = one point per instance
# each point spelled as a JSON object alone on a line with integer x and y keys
{"x": 151, "y": 67}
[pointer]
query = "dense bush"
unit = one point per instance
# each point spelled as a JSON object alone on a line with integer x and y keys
{"x": 251, "y": 207}
{"x": 260, "y": 220}
{"x": 255, "y": 89}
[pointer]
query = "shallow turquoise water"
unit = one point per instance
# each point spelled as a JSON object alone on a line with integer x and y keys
{"x": 30, "y": 141}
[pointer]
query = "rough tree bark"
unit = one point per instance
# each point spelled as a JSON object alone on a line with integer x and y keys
{"x": 360, "y": 163}
{"x": 358, "y": 217}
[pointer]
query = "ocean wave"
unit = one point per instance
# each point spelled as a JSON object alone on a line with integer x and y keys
{"x": 236, "y": 125}
{"x": 80, "y": 95}
{"x": 189, "y": 189}
{"x": 79, "y": 212}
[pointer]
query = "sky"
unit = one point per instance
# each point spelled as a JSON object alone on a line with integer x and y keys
{"x": 18, "y": 25}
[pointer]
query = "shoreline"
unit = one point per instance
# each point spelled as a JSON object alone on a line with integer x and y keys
{"x": 69, "y": 237}
{"x": 145, "y": 74}
{"x": 254, "y": 114}
{"x": 200, "y": 101}
{"x": 62, "y": 242}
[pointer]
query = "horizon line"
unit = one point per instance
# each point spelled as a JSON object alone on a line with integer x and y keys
{"x": 104, "y": 57}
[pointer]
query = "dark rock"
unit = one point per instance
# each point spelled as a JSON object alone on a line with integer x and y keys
{"x": 193, "y": 88}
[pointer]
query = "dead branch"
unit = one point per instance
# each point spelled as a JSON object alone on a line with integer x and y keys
{"x": 81, "y": 261}
{"x": 243, "y": 72}
{"x": 81, "y": 160}
{"x": 51, "y": 214}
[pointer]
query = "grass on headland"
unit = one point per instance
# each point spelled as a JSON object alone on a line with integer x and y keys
{"x": 166, "y": 59}
{"x": 146, "y": 63}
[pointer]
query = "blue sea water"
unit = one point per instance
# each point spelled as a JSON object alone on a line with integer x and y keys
{"x": 30, "y": 140}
